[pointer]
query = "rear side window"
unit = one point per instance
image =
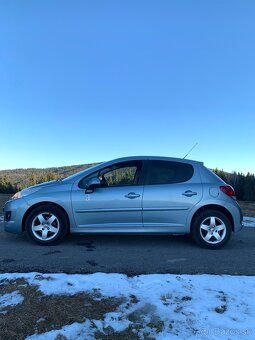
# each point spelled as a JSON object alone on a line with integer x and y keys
{"x": 165, "y": 172}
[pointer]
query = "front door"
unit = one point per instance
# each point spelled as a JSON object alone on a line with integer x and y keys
{"x": 114, "y": 206}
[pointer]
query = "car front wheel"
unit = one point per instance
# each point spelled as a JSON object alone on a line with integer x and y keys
{"x": 211, "y": 229}
{"x": 46, "y": 224}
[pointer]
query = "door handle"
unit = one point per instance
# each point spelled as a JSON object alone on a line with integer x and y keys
{"x": 132, "y": 195}
{"x": 189, "y": 193}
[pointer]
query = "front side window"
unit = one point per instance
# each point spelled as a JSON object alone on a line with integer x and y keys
{"x": 166, "y": 172}
{"x": 116, "y": 175}
{"x": 126, "y": 174}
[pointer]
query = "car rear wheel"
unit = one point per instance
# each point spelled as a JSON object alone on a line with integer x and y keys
{"x": 211, "y": 229}
{"x": 46, "y": 224}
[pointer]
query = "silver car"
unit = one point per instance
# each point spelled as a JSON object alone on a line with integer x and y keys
{"x": 155, "y": 195}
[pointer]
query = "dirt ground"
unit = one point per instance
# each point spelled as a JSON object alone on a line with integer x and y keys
{"x": 248, "y": 208}
{"x": 3, "y": 199}
{"x": 38, "y": 313}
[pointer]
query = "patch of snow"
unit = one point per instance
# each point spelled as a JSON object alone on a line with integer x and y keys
{"x": 187, "y": 306}
{"x": 249, "y": 222}
{"x": 116, "y": 321}
{"x": 75, "y": 331}
{"x": 10, "y": 299}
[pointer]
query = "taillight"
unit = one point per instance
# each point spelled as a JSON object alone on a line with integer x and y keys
{"x": 228, "y": 190}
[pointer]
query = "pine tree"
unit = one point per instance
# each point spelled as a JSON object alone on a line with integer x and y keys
{"x": 33, "y": 180}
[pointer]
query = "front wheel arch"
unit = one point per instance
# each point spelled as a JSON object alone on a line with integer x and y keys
{"x": 39, "y": 205}
{"x": 213, "y": 207}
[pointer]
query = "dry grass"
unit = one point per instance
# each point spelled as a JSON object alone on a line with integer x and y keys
{"x": 41, "y": 313}
{"x": 3, "y": 199}
{"x": 248, "y": 208}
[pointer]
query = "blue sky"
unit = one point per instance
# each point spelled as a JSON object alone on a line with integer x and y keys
{"x": 85, "y": 81}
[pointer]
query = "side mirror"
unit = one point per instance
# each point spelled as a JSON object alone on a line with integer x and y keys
{"x": 92, "y": 184}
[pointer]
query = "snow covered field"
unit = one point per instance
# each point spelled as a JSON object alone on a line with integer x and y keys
{"x": 249, "y": 222}
{"x": 104, "y": 306}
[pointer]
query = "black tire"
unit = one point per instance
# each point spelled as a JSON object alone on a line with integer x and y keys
{"x": 205, "y": 216}
{"x": 61, "y": 224}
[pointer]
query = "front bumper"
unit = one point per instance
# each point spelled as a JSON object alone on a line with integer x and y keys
{"x": 14, "y": 211}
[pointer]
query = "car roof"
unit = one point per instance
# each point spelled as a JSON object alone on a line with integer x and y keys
{"x": 158, "y": 158}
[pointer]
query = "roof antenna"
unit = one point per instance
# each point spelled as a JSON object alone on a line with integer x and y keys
{"x": 193, "y": 147}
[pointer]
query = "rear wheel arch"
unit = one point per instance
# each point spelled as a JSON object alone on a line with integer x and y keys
{"x": 40, "y": 204}
{"x": 219, "y": 208}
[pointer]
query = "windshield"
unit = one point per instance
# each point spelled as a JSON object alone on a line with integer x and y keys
{"x": 81, "y": 172}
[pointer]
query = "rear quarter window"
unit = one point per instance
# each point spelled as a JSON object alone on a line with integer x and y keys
{"x": 165, "y": 172}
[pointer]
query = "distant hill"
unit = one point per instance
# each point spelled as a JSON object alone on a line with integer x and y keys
{"x": 21, "y": 178}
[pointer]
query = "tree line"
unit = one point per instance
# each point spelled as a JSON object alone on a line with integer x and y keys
{"x": 7, "y": 187}
{"x": 244, "y": 185}
{"x": 10, "y": 180}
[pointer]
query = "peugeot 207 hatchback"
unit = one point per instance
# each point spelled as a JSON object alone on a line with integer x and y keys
{"x": 155, "y": 195}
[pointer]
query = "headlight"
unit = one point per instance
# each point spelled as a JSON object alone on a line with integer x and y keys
{"x": 25, "y": 192}
{"x": 17, "y": 195}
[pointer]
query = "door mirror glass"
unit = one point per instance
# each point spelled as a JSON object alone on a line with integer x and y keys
{"x": 92, "y": 184}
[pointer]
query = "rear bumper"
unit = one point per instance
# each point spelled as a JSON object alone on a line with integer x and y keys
{"x": 14, "y": 212}
{"x": 237, "y": 215}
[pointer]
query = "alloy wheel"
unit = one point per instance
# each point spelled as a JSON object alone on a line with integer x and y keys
{"x": 213, "y": 230}
{"x": 45, "y": 226}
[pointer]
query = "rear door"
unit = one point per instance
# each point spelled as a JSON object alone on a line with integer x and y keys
{"x": 171, "y": 190}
